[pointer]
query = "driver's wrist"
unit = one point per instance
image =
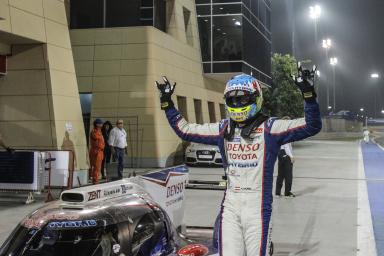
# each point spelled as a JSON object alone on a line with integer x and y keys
{"x": 166, "y": 103}
{"x": 309, "y": 94}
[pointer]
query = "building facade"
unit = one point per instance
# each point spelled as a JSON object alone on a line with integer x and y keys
{"x": 235, "y": 36}
{"x": 59, "y": 80}
{"x": 39, "y": 99}
{"x": 118, "y": 58}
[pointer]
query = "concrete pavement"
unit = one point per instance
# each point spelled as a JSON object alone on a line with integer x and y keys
{"x": 321, "y": 220}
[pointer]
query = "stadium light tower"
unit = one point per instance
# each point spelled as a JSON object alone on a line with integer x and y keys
{"x": 327, "y": 43}
{"x": 314, "y": 14}
{"x": 333, "y": 61}
{"x": 375, "y": 75}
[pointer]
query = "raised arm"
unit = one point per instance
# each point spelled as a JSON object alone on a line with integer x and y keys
{"x": 199, "y": 133}
{"x": 285, "y": 131}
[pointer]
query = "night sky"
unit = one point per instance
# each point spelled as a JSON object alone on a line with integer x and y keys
{"x": 357, "y": 33}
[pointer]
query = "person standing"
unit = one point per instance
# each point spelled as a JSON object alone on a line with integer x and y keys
{"x": 249, "y": 143}
{"x": 96, "y": 152}
{"x": 118, "y": 144}
{"x": 366, "y": 135}
{"x": 106, "y": 130}
{"x": 285, "y": 166}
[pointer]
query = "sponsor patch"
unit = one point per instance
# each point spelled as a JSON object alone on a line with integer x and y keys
{"x": 259, "y": 130}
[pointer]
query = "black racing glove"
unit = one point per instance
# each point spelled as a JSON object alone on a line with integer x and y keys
{"x": 166, "y": 90}
{"x": 306, "y": 81}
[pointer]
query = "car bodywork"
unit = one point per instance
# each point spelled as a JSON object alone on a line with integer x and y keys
{"x": 116, "y": 218}
{"x": 197, "y": 153}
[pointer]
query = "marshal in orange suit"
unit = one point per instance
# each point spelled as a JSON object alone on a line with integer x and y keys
{"x": 96, "y": 151}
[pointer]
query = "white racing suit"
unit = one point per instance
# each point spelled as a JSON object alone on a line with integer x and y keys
{"x": 249, "y": 163}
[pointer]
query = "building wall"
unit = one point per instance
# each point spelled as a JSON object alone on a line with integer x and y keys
{"x": 39, "y": 95}
{"x": 120, "y": 65}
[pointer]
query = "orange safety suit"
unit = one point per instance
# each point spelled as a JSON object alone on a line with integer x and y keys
{"x": 96, "y": 153}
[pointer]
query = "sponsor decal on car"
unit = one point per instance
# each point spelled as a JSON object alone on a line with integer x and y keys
{"x": 175, "y": 189}
{"x": 72, "y": 224}
{"x": 92, "y": 195}
{"x": 113, "y": 191}
{"x": 39, "y": 219}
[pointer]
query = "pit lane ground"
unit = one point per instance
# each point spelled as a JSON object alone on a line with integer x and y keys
{"x": 324, "y": 218}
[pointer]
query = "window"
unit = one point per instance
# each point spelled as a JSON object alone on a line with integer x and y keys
{"x": 86, "y": 14}
{"x": 160, "y": 14}
{"x": 203, "y": 9}
{"x": 254, "y": 6}
{"x": 226, "y": 9}
{"x": 223, "y": 112}
{"x": 235, "y": 36}
{"x": 188, "y": 25}
{"x": 122, "y": 13}
{"x": 212, "y": 112}
{"x": 263, "y": 13}
{"x": 257, "y": 50}
{"x": 203, "y": 1}
{"x": 227, "y": 38}
{"x": 198, "y": 111}
{"x": 227, "y": 67}
{"x": 205, "y": 37}
{"x": 225, "y": 1}
{"x": 182, "y": 106}
{"x": 117, "y": 13}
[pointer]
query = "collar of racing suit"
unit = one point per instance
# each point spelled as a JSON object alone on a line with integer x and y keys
{"x": 247, "y": 128}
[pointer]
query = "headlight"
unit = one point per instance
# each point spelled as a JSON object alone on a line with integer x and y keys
{"x": 217, "y": 150}
{"x": 189, "y": 150}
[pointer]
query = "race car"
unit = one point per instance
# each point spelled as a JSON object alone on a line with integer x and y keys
{"x": 196, "y": 154}
{"x": 138, "y": 216}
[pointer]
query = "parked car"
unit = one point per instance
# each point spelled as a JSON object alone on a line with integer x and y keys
{"x": 197, "y": 153}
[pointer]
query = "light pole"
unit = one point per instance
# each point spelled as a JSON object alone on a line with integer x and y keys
{"x": 314, "y": 13}
{"x": 374, "y": 76}
{"x": 333, "y": 61}
{"x": 327, "y": 43}
{"x": 362, "y": 116}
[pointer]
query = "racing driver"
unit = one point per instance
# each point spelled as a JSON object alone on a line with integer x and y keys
{"x": 249, "y": 143}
